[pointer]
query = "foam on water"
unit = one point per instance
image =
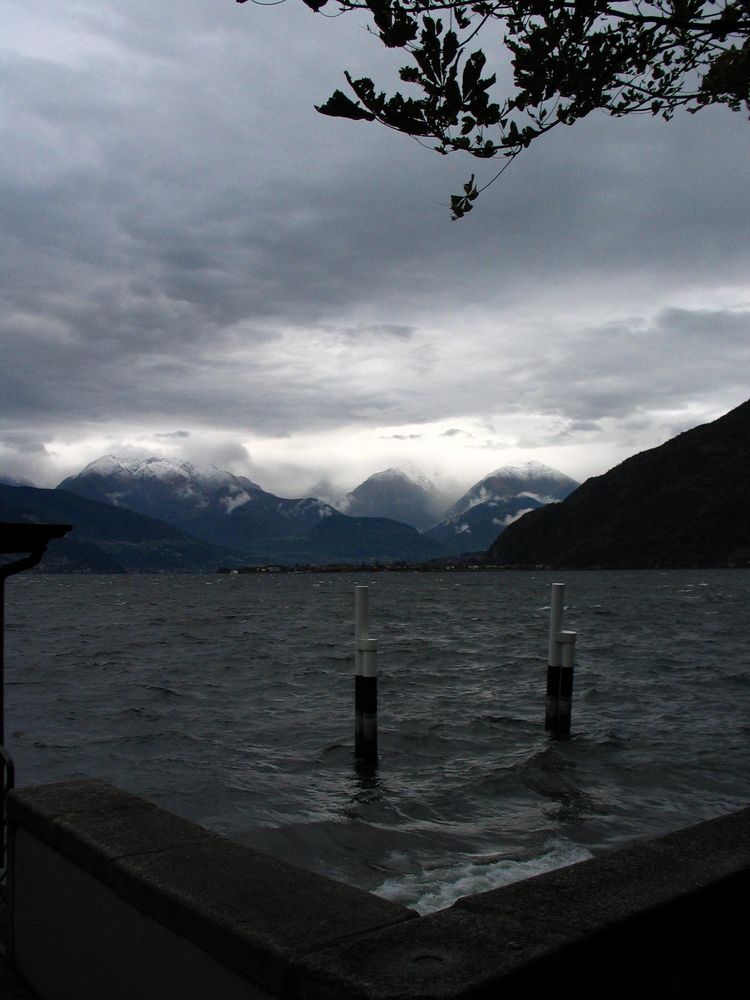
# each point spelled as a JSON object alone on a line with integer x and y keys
{"x": 436, "y": 888}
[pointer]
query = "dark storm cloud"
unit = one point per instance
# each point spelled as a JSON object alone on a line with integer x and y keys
{"x": 184, "y": 239}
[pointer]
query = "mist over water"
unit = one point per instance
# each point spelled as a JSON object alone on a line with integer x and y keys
{"x": 229, "y": 700}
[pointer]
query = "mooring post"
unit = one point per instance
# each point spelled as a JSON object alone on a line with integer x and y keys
{"x": 361, "y": 623}
{"x": 567, "y": 644}
{"x": 554, "y": 661}
{"x": 365, "y": 681}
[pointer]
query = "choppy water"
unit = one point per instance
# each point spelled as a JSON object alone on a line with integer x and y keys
{"x": 229, "y": 700}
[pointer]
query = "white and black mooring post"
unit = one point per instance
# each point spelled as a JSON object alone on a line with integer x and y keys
{"x": 554, "y": 661}
{"x": 365, "y": 681}
{"x": 560, "y": 662}
{"x": 567, "y": 644}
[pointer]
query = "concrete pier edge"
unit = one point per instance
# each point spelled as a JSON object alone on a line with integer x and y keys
{"x": 115, "y": 897}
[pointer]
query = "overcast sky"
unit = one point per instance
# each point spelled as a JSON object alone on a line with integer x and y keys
{"x": 193, "y": 262}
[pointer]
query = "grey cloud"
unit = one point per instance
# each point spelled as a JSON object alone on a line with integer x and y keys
{"x": 378, "y": 330}
{"x": 578, "y": 426}
{"x": 699, "y": 327}
{"x": 22, "y": 455}
{"x": 179, "y": 225}
{"x": 225, "y": 453}
{"x": 24, "y": 442}
{"x": 617, "y": 370}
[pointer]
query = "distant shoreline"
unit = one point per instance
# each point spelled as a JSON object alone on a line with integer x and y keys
{"x": 449, "y": 566}
{"x": 469, "y": 565}
{"x": 473, "y": 563}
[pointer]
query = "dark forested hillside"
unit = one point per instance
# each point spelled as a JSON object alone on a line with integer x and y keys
{"x": 107, "y": 539}
{"x": 685, "y": 503}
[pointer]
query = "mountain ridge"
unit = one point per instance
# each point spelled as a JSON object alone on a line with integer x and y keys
{"x": 477, "y": 518}
{"x": 395, "y": 494}
{"x": 107, "y": 539}
{"x": 684, "y": 503}
{"x": 231, "y": 511}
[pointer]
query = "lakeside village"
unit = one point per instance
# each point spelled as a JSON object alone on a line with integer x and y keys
{"x": 458, "y": 564}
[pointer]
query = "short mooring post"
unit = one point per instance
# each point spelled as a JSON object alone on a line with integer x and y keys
{"x": 365, "y": 681}
{"x": 560, "y": 661}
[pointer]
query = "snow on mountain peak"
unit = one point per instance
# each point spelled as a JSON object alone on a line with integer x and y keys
{"x": 385, "y": 475}
{"x": 107, "y": 465}
{"x": 528, "y": 470}
{"x": 409, "y": 474}
{"x": 153, "y": 466}
{"x": 532, "y": 479}
{"x": 417, "y": 476}
{"x": 160, "y": 467}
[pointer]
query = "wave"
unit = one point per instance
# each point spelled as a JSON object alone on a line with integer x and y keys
{"x": 432, "y": 889}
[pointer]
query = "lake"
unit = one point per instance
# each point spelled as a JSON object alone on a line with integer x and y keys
{"x": 229, "y": 700}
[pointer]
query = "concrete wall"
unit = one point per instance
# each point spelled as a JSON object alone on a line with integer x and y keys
{"x": 114, "y": 898}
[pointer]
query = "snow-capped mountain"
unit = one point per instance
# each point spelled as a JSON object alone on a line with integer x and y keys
{"x": 473, "y": 523}
{"x": 235, "y": 512}
{"x": 380, "y": 519}
{"x": 212, "y": 504}
{"x": 538, "y": 482}
{"x": 410, "y": 498}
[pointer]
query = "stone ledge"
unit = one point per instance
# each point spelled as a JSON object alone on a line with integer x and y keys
{"x": 246, "y": 909}
{"x": 694, "y": 875}
{"x": 670, "y": 912}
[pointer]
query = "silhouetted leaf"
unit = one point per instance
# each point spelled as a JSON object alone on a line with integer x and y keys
{"x": 339, "y": 105}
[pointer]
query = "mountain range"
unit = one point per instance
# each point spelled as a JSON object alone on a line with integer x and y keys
{"x": 237, "y": 514}
{"x": 684, "y": 503}
{"x": 198, "y": 519}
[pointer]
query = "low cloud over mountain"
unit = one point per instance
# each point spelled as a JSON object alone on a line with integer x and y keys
{"x": 485, "y": 511}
